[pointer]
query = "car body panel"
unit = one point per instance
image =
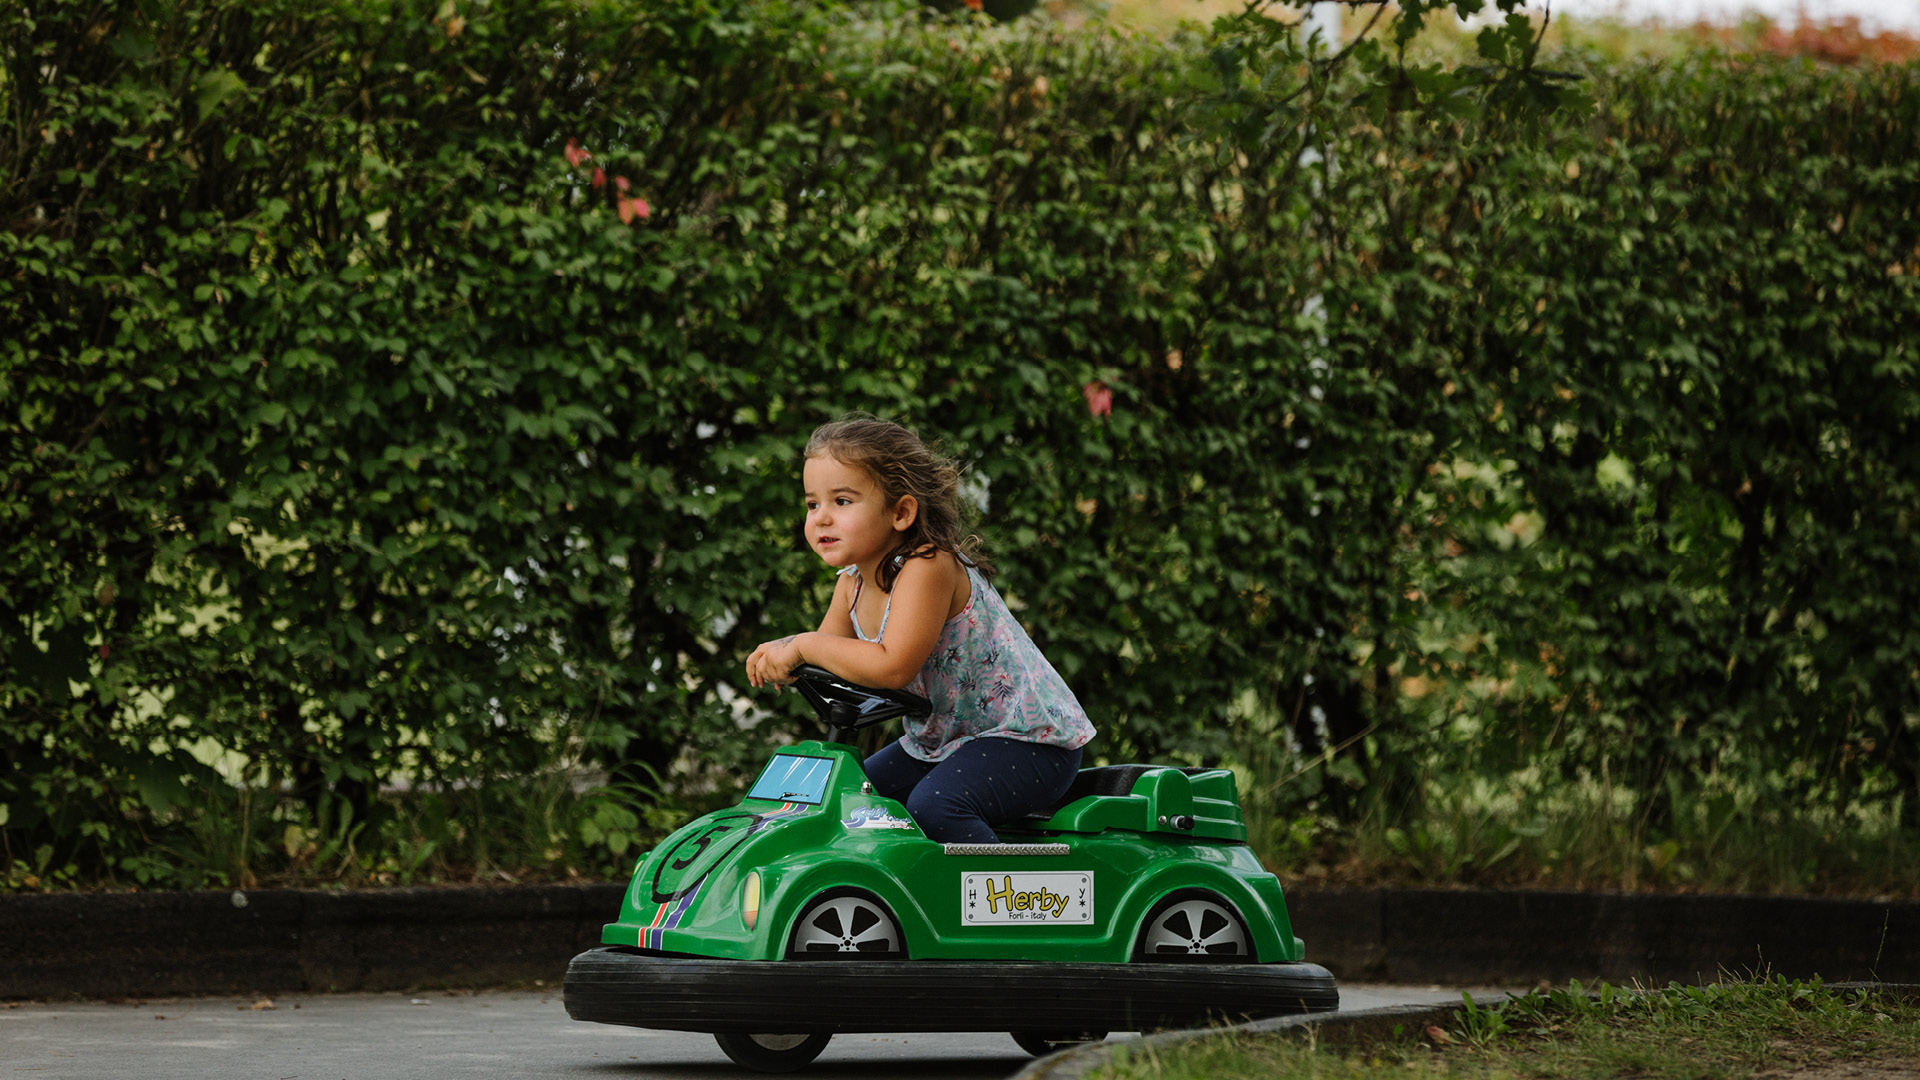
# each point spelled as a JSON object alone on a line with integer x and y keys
{"x": 1076, "y": 887}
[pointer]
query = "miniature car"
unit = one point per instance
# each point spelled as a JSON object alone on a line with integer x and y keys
{"x": 816, "y": 906}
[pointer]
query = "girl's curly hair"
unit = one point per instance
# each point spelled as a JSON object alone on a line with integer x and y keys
{"x": 903, "y": 465}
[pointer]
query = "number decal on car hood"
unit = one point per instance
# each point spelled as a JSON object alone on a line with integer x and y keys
{"x": 678, "y": 871}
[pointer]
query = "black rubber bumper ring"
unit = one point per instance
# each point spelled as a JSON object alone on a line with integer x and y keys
{"x": 616, "y": 985}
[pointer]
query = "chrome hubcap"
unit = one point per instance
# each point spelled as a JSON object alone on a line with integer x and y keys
{"x": 1196, "y": 927}
{"x": 847, "y": 924}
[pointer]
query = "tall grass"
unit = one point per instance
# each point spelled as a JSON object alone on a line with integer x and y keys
{"x": 1537, "y": 827}
{"x": 553, "y": 824}
{"x": 1530, "y": 827}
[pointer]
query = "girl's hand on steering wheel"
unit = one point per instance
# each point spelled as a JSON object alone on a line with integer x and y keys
{"x": 773, "y": 662}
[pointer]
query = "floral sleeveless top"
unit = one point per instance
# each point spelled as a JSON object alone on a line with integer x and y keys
{"x": 985, "y": 677}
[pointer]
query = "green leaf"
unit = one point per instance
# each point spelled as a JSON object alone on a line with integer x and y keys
{"x": 214, "y": 89}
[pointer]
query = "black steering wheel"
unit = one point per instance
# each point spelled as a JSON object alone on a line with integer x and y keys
{"x": 846, "y": 707}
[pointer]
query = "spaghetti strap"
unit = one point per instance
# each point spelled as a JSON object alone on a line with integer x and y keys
{"x": 857, "y": 582}
{"x": 853, "y": 608}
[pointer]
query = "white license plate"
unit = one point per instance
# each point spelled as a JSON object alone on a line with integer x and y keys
{"x": 1040, "y": 899}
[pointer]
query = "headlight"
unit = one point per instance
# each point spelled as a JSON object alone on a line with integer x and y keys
{"x": 750, "y": 899}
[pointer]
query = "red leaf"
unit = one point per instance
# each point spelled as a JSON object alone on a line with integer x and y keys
{"x": 575, "y": 155}
{"x": 599, "y": 177}
{"x": 1099, "y": 398}
{"x": 634, "y": 208}
{"x": 620, "y": 184}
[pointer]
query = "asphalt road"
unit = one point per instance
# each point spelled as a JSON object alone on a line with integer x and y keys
{"x": 453, "y": 1036}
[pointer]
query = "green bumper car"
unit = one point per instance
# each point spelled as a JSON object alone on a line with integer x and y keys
{"x": 816, "y": 906}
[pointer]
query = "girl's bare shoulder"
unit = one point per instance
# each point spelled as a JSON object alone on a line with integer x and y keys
{"x": 939, "y": 572}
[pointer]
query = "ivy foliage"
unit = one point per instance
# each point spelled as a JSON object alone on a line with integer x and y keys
{"x": 411, "y": 388}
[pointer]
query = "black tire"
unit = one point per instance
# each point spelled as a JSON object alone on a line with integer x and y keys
{"x": 846, "y": 924}
{"x": 1040, "y": 1044}
{"x": 773, "y": 1053}
{"x": 1193, "y": 926}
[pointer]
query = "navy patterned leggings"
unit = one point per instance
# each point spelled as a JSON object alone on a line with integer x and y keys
{"x": 990, "y": 780}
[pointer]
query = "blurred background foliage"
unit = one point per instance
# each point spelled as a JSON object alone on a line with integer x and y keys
{"x": 1511, "y": 472}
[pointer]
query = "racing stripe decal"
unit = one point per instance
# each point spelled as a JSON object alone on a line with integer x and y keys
{"x": 650, "y": 934}
{"x": 668, "y": 917}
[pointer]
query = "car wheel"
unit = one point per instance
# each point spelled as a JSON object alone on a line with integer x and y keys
{"x": 772, "y": 1053}
{"x": 846, "y": 925}
{"x": 1194, "y": 927}
{"x": 1040, "y": 1044}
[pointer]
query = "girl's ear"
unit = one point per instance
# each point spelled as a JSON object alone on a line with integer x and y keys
{"x": 905, "y": 513}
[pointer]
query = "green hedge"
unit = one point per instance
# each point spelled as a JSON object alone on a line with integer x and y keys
{"x": 353, "y": 430}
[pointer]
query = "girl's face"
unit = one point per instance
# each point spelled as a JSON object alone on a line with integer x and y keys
{"x": 849, "y": 520}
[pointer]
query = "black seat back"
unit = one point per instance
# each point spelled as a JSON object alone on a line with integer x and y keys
{"x": 1101, "y": 780}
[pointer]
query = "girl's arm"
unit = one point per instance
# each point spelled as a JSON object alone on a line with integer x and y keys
{"x": 772, "y": 661}
{"x": 921, "y": 596}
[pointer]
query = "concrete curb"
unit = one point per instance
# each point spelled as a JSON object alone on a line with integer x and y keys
{"x": 151, "y": 944}
{"x": 1493, "y": 938}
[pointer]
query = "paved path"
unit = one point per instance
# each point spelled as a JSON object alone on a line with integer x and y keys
{"x": 454, "y": 1036}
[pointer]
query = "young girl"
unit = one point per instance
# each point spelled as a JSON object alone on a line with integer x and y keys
{"x": 913, "y": 609}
